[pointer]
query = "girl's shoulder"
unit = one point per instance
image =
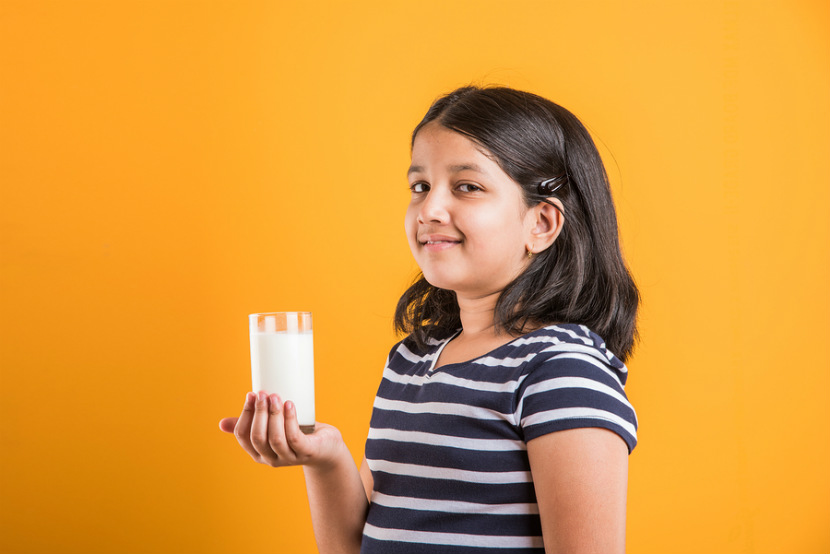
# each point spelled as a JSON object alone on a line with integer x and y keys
{"x": 537, "y": 346}
{"x": 574, "y": 380}
{"x": 569, "y": 337}
{"x": 567, "y": 341}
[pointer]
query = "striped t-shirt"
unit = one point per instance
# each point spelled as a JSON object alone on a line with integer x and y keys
{"x": 448, "y": 447}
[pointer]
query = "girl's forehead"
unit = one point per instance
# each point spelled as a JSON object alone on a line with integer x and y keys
{"x": 436, "y": 144}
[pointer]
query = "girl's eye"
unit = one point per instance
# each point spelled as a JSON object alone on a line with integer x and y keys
{"x": 468, "y": 187}
{"x": 419, "y": 187}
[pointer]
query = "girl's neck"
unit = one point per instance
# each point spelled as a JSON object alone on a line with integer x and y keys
{"x": 478, "y": 319}
{"x": 478, "y": 315}
{"x": 478, "y": 331}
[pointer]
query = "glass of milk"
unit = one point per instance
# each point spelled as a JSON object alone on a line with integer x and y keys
{"x": 282, "y": 360}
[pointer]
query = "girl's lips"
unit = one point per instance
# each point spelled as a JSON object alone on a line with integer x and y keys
{"x": 439, "y": 244}
{"x": 424, "y": 238}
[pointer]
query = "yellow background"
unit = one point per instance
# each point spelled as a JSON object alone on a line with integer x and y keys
{"x": 169, "y": 167}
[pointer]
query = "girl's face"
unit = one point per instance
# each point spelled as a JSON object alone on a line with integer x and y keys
{"x": 467, "y": 224}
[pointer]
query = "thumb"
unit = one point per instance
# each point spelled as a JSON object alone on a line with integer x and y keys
{"x": 228, "y": 424}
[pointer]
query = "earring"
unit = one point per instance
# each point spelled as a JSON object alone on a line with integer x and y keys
{"x": 529, "y": 253}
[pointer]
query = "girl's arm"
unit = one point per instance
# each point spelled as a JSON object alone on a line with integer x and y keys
{"x": 269, "y": 432}
{"x": 581, "y": 477}
{"x": 338, "y": 504}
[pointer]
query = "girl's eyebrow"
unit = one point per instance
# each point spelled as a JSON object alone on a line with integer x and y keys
{"x": 466, "y": 167}
{"x": 453, "y": 168}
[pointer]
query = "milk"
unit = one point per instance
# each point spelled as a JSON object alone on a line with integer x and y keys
{"x": 283, "y": 363}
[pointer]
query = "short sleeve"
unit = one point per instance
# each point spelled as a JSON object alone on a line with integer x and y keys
{"x": 570, "y": 390}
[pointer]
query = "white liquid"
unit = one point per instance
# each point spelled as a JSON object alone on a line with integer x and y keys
{"x": 283, "y": 363}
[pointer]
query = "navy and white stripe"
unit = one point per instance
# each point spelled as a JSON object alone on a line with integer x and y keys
{"x": 448, "y": 446}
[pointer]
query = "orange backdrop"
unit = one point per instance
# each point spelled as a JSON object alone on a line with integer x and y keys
{"x": 169, "y": 167}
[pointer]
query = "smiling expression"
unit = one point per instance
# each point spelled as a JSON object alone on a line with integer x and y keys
{"x": 467, "y": 224}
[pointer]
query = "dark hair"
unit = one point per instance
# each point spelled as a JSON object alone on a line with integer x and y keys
{"x": 582, "y": 277}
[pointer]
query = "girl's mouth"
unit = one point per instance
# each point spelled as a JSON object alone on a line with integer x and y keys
{"x": 437, "y": 245}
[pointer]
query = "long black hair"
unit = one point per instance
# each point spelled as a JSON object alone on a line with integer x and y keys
{"x": 582, "y": 278}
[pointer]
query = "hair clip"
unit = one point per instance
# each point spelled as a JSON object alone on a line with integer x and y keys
{"x": 549, "y": 186}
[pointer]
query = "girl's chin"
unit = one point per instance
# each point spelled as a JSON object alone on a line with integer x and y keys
{"x": 463, "y": 287}
{"x": 441, "y": 281}
{"x": 457, "y": 286}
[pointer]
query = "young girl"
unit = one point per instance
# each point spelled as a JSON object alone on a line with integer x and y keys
{"x": 500, "y": 424}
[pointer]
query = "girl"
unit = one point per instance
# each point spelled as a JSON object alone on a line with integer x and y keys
{"x": 500, "y": 424}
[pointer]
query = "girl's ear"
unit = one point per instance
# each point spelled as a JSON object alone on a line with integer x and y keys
{"x": 547, "y": 225}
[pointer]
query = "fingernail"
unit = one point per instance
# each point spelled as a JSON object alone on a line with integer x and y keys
{"x": 262, "y": 396}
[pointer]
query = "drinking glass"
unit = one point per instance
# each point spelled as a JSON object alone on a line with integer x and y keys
{"x": 282, "y": 360}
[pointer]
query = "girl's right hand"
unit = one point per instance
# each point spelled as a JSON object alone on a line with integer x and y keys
{"x": 269, "y": 432}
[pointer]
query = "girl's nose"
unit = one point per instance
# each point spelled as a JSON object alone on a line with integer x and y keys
{"x": 434, "y": 208}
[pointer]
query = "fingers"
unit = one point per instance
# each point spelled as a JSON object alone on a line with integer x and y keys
{"x": 242, "y": 431}
{"x": 276, "y": 429}
{"x": 228, "y": 424}
{"x": 297, "y": 440}
{"x": 260, "y": 428}
{"x": 269, "y": 431}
